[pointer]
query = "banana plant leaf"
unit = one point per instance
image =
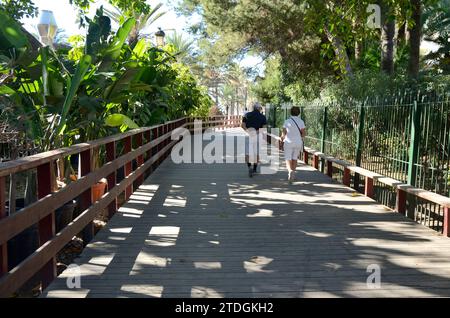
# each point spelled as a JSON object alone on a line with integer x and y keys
{"x": 13, "y": 42}
{"x": 140, "y": 48}
{"x": 82, "y": 68}
{"x": 120, "y": 120}
{"x": 111, "y": 53}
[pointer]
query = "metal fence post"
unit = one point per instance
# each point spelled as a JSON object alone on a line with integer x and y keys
{"x": 324, "y": 134}
{"x": 413, "y": 154}
{"x": 359, "y": 144}
{"x": 414, "y": 145}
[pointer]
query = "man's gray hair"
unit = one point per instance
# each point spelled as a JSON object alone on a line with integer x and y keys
{"x": 257, "y": 106}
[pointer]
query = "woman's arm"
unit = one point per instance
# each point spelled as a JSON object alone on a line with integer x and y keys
{"x": 283, "y": 135}
{"x": 303, "y": 132}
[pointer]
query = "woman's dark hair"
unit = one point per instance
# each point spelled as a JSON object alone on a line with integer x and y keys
{"x": 295, "y": 111}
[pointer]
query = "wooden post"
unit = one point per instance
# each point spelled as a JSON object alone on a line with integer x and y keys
{"x": 368, "y": 189}
{"x": 148, "y": 137}
{"x": 447, "y": 221}
{"x": 86, "y": 197}
{"x": 155, "y": 135}
{"x": 346, "y": 179}
{"x": 400, "y": 205}
{"x": 128, "y": 167}
{"x": 47, "y": 224}
{"x": 306, "y": 157}
{"x": 166, "y": 141}
{"x": 4, "y": 247}
{"x": 110, "y": 156}
{"x": 140, "y": 159}
{"x": 330, "y": 168}
{"x": 161, "y": 144}
{"x": 316, "y": 161}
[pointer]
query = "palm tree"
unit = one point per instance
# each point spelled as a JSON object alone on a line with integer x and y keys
{"x": 143, "y": 20}
{"x": 415, "y": 37}
{"x": 184, "y": 48}
{"x": 436, "y": 20}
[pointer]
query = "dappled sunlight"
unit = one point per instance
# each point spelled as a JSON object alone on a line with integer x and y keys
{"x": 104, "y": 260}
{"x": 143, "y": 289}
{"x": 68, "y": 293}
{"x": 165, "y": 231}
{"x": 128, "y": 210}
{"x": 205, "y": 292}
{"x": 163, "y": 242}
{"x": 262, "y": 213}
{"x": 236, "y": 237}
{"x": 149, "y": 259}
{"x": 116, "y": 238}
{"x": 316, "y": 234}
{"x": 208, "y": 265}
{"x": 126, "y": 230}
{"x": 257, "y": 263}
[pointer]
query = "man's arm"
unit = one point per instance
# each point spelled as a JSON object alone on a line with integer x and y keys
{"x": 244, "y": 123}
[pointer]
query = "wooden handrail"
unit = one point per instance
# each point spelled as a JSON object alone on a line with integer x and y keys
{"x": 30, "y": 162}
{"x": 42, "y": 211}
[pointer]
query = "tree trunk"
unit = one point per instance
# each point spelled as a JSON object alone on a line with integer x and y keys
{"x": 358, "y": 50}
{"x": 340, "y": 52}
{"x": 401, "y": 34}
{"x": 415, "y": 35}
{"x": 358, "y": 41}
{"x": 387, "y": 45}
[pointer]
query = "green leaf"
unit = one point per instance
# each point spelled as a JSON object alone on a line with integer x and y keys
{"x": 11, "y": 36}
{"x": 118, "y": 120}
{"x": 113, "y": 51}
{"x": 10, "y": 93}
{"x": 140, "y": 48}
{"x": 83, "y": 66}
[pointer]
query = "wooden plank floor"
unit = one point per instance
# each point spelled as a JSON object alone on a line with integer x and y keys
{"x": 199, "y": 230}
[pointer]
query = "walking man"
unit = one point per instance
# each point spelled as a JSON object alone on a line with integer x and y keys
{"x": 252, "y": 122}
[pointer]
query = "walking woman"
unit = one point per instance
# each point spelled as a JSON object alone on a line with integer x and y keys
{"x": 294, "y": 131}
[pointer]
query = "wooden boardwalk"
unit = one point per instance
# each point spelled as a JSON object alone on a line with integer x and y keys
{"x": 200, "y": 230}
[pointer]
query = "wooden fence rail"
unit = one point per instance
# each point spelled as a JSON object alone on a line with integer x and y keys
{"x": 143, "y": 150}
{"x": 401, "y": 188}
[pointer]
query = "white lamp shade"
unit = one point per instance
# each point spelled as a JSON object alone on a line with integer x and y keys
{"x": 47, "y": 26}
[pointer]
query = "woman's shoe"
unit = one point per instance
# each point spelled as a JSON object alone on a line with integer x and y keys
{"x": 291, "y": 177}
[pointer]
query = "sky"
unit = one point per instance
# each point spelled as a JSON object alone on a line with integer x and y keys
{"x": 65, "y": 16}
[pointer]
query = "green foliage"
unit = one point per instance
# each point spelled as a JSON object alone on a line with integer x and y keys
{"x": 267, "y": 90}
{"x": 61, "y": 98}
{"x": 17, "y": 9}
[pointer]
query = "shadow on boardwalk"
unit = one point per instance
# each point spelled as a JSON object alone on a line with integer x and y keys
{"x": 209, "y": 231}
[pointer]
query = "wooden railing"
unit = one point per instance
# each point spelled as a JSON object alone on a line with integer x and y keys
{"x": 143, "y": 150}
{"x": 401, "y": 188}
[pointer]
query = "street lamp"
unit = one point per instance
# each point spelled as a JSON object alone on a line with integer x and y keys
{"x": 160, "y": 37}
{"x": 47, "y": 27}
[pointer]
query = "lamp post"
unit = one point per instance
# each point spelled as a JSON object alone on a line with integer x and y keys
{"x": 47, "y": 27}
{"x": 159, "y": 35}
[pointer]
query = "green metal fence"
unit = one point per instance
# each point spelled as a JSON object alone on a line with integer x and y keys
{"x": 405, "y": 137}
